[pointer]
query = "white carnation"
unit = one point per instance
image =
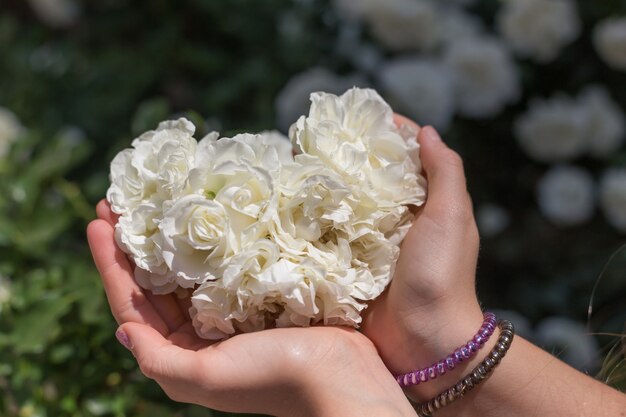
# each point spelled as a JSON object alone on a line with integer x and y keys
{"x": 539, "y": 29}
{"x": 566, "y": 195}
{"x": 420, "y": 88}
{"x": 10, "y": 129}
{"x": 155, "y": 169}
{"x": 484, "y": 74}
{"x": 553, "y": 130}
{"x": 609, "y": 38}
{"x": 355, "y": 135}
{"x": 613, "y": 197}
{"x": 606, "y": 129}
{"x": 293, "y": 100}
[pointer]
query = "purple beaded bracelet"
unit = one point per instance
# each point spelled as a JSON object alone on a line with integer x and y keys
{"x": 461, "y": 354}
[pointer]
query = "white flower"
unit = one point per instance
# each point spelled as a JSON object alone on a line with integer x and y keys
{"x": 538, "y": 29}
{"x": 606, "y": 129}
{"x": 484, "y": 74}
{"x": 609, "y": 38}
{"x": 553, "y": 130}
{"x": 566, "y": 195}
{"x": 355, "y": 135}
{"x": 293, "y": 100}
{"x": 421, "y": 88}
{"x": 10, "y": 129}
{"x": 156, "y": 168}
{"x": 613, "y": 197}
{"x": 398, "y": 24}
{"x": 492, "y": 219}
{"x": 455, "y": 24}
{"x": 56, "y": 13}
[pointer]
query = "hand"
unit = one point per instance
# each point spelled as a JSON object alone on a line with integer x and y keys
{"x": 430, "y": 307}
{"x": 286, "y": 372}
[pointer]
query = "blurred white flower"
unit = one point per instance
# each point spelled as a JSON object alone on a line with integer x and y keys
{"x": 293, "y": 100}
{"x": 553, "y": 129}
{"x": 56, "y": 13}
{"x": 606, "y": 129}
{"x": 400, "y": 25}
{"x": 613, "y": 197}
{"x": 460, "y": 2}
{"x": 492, "y": 219}
{"x": 484, "y": 76}
{"x": 570, "y": 341}
{"x": 421, "y": 88}
{"x": 455, "y": 23}
{"x": 10, "y": 129}
{"x": 539, "y": 29}
{"x": 565, "y": 195}
{"x": 609, "y": 38}
{"x": 523, "y": 327}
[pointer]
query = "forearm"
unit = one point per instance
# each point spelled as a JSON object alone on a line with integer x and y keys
{"x": 528, "y": 382}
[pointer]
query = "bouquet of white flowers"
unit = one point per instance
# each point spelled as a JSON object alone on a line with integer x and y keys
{"x": 265, "y": 238}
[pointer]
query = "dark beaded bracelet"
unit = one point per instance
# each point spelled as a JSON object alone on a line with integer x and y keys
{"x": 478, "y": 374}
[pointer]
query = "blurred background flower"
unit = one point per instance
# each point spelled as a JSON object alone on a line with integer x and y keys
{"x": 530, "y": 92}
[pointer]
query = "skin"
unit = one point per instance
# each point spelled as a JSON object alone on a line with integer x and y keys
{"x": 429, "y": 309}
{"x": 319, "y": 371}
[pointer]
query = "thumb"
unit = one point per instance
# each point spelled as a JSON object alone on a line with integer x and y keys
{"x": 158, "y": 358}
{"x": 447, "y": 188}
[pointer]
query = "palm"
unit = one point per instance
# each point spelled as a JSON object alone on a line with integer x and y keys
{"x": 230, "y": 367}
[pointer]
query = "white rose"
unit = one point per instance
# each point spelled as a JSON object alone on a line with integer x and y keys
{"x": 613, "y": 197}
{"x": 10, "y": 129}
{"x": 538, "y": 29}
{"x": 566, "y": 195}
{"x": 196, "y": 239}
{"x": 293, "y": 100}
{"x": 553, "y": 129}
{"x": 454, "y": 24}
{"x": 484, "y": 75}
{"x": 609, "y": 39}
{"x": 56, "y": 13}
{"x": 156, "y": 169}
{"x": 492, "y": 220}
{"x": 606, "y": 129}
{"x": 355, "y": 135}
{"x": 421, "y": 88}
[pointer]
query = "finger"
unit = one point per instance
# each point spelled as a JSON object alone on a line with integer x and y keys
{"x": 169, "y": 310}
{"x": 401, "y": 121}
{"x": 447, "y": 188}
{"x": 103, "y": 210}
{"x": 127, "y": 300}
{"x": 158, "y": 357}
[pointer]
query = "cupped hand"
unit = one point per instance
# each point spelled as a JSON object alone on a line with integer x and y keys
{"x": 430, "y": 307}
{"x": 285, "y": 372}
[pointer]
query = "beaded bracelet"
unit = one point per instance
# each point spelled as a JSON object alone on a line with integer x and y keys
{"x": 478, "y": 374}
{"x": 461, "y": 354}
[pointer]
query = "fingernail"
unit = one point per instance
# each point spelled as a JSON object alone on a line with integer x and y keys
{"x": 431, "y": 134}
{"x": 123, "y": 339}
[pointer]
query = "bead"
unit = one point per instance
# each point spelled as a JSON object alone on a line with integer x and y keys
{"x": 472, "y": 346}
{"x": 466, "y": 352}
{"x": 484, "y": 333}
{"x": 479, "y": 340}
{"x": 441, "y": 368}
{"x": 414, "y": 380}
{"x": 458, "y": 356}
{"x": 405, "y": 380}
{"x": 423, "y": 376}
{"x": 432, "y": 372}
{"x": 450, "y": 363}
